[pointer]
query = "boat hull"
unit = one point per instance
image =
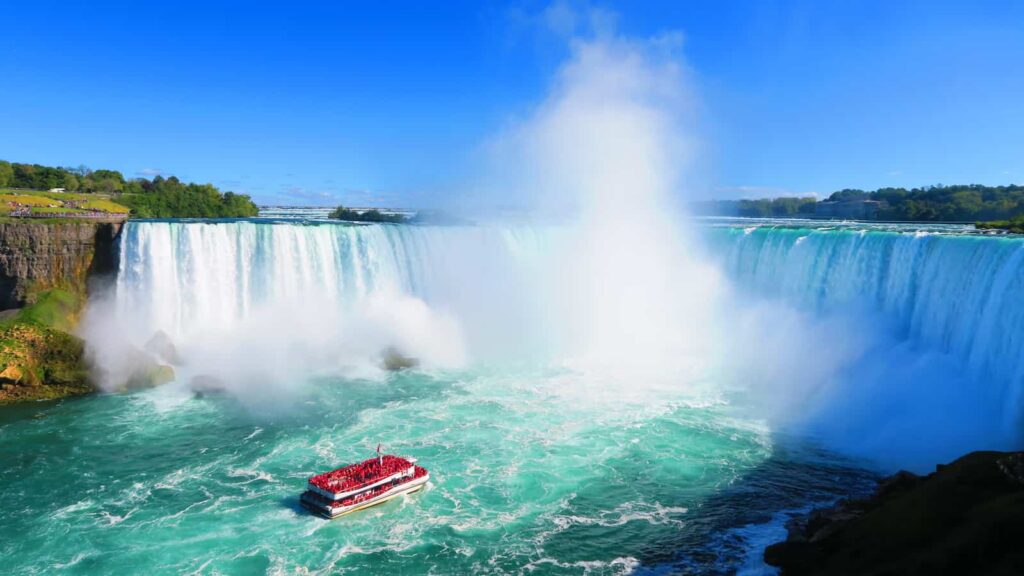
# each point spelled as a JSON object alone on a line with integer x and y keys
{"x": 331, "y": 513}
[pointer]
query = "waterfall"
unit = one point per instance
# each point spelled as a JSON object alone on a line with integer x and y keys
{"x": 181, "y": 277}
{"x": 954, "y": 293}
{"x": 935, "y": 319}
{"x": 958, "y": 294}
{"x": 285, "y": 293}
{"x": 940, "y": 319}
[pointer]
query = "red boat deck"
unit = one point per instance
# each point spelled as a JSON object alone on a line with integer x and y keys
{"x": 357, "y": 476}
{"x": 367, "y": 495}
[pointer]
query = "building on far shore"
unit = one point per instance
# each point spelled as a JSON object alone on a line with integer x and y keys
{"x": 56, "y": 190}
{"x": 859, "y": 209}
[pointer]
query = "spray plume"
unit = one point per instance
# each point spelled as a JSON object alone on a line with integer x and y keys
{"x": 620, "y": 290}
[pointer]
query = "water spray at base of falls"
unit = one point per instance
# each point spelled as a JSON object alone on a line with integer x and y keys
{"x": 893, "y": 346}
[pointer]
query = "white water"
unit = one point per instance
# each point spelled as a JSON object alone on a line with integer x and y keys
{"x": 941, "y": 316}
{"x": 957, "y": 294}
{"x": 900, "y": 346}
{"x": 264, "y": 306}
{"x": 889, "y": 345}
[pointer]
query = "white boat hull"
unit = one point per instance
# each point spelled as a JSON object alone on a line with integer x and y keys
{"x": 334, "y": 512}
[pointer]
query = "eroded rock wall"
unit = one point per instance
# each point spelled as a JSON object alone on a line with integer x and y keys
{"x": 38, "y": 255}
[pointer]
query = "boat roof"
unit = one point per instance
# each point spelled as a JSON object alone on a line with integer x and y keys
{"x": 365, "y": 473}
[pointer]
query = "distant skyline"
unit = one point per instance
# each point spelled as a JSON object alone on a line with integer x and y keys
{"x": 321, "y": 103}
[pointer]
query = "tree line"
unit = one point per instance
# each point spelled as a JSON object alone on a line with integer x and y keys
{"x": 956, "y": 203}
{"x": 158, "y": 197}
{"x": 343, "y": 213}
{"x": 939, "y": 203}
{"x": 784, "y": 207}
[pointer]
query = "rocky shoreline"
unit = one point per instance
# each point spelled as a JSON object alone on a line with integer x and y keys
{"x": 967, "y": 517}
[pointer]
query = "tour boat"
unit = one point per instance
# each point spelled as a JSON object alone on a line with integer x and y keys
{"x": 358, "y": 486}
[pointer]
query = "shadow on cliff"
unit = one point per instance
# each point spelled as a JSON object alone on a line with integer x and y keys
{"x": 102, "y": 273}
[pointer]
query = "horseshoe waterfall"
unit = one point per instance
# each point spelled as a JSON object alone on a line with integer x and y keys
{"x": 800, "y": 362}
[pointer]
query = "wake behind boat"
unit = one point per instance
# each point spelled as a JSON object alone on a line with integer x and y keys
{"x": 358, "y": 486}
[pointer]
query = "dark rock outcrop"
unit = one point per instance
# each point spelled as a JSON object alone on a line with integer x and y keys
{"x": 965, "y": 518}
{"x": 392, "y": 359}
{"x": 35, "y": 256}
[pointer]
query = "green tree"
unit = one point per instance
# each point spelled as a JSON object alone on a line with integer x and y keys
{"x": 156, "y": 198}
{"x": 848, "y": 194}
{"x": 6, "y": 174}
{"x": 109, "y": 185}
{"x": 342, "y": 213}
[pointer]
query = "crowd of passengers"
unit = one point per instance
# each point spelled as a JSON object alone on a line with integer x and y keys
{"x": 356, "y": 475}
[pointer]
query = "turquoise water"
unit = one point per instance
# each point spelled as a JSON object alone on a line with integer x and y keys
{"x": 538, "y": 470}
{"x": 530, "y": 472}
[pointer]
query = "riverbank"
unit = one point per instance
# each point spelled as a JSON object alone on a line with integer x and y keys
{"x": 1015, "y": 226}
{"x": 967, "y": 517}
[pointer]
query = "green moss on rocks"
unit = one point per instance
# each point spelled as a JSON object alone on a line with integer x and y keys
{"x": 45, "y": 267}
{"x": 56, "y": 308}
{"x": 39, "y": 357}
{"x": 149, "y": 374}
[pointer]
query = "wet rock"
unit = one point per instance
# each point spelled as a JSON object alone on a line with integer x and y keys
{"x": 142, "y": 370}
{"x": 11, "y": 373}
{"x": 150, "y": 376}
{"x": 965, "y": 518}
{"x": 392, "y": 359}
{"x": 161, "y": 346}
{"x": 205, "y": 385}
{"x": 899, "y": 482}
{"x": 1013, "y": 467}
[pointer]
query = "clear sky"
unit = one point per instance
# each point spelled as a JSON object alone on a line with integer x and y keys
{"x": 388, "y": 102}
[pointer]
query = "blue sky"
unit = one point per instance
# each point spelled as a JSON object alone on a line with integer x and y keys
{"x": 389, "y": 103}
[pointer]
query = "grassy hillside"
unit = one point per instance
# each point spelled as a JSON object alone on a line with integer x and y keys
{"x": 59, "y": 203}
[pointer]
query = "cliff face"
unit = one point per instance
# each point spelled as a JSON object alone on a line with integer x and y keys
{"x": 965, "y": 518}
{"x": 45, "y": 270}
{"x": 36, "y": 256}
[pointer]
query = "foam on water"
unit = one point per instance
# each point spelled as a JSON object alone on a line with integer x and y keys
{"x": 534, "y": 465}
{"x": 518, "y": 479}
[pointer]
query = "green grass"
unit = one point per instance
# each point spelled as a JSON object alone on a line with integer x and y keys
{"x": 54, "y": 308}
{"x": 27, "y": 199}
{"x": 63, "y": 196}
{"x": 106, "y": 205}
{"x": 42, "y": 202}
